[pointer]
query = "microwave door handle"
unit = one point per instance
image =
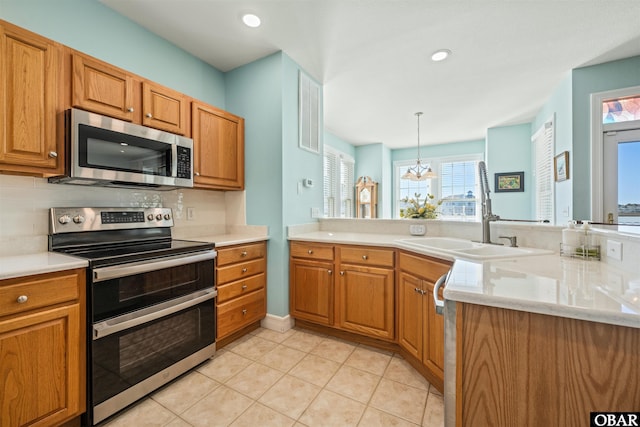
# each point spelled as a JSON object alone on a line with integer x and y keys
{"x": 174, "y": 159}
{"x": 105, "y": 273}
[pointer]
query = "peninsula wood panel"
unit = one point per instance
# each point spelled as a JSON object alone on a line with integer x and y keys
{"x": 520, "y": 368}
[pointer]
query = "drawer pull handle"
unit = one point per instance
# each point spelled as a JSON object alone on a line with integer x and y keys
{"x": 22, "y": 299}
{"x": 243, "y": 254}
{"x": 244, "y": 270}
{"x": 244, "y": 287}
{"x": 364, "y": 257}
{"x": 416, "y": 290}
{"x": 244, "y": 311}
{"x": 309, "y": 251}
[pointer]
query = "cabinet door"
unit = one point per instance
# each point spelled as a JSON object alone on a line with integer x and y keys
{"x": 365, "y": 301}
{"x": 102, "y": 88}
{"x": 30, "y": 73}
{"x": 41, "y": 387}
{"x": 218, "y": 139}
{"x": 433, "y": 355}
{"x": 311, "y": 291}
{"x": 164, "y": 108}
{"x": 410, "y": 314}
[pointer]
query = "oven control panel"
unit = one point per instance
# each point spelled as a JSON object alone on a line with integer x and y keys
{"x": 69, "y": 220}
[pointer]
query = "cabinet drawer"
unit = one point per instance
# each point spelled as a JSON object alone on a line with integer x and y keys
{"x": 240, "y": 312}
{"x": 311, "y": 250}
{"x": 426, "y": 268}
{"x": 367, "y": 256}
{"x": 40, "y": 291}
{"x": 241, "y": 270}
{"x": 240, "y": 287}
{"x": 241, "y": 253}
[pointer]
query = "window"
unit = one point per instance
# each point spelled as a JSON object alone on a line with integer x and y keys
{"x": 543, "y": 161}
{"x": 338, "y": 183}
{"x": 456, "y": 185}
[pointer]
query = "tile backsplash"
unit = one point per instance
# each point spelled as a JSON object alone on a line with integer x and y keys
{"x": 25, "y": 203}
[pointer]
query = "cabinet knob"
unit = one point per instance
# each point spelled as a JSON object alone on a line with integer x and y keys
{"x": 309, "y": 251}
{"x": 243, "y": 254}
{"x": 22, "y": 299}
{"x": 130, "y": 109}
{"x": 149, "y": 115}
{"x": 416, "y": 290}
{"x": 364, "y": 257}
{"x": 342, "y": 273}
{"x": 196, "y": 173}
{"x": 330, "y": 271}
{"x": 53, "y": 154}
{"x": 244, "y": 287}
{"x": 244, "y": 270}
{"x": 244, "y": 311}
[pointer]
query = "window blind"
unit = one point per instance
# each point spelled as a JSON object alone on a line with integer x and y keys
{"x": 338, "y": 183}
{"x": 543, "y": 141}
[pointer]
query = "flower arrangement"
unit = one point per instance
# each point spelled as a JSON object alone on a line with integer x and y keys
{"x": 416, "y": 209}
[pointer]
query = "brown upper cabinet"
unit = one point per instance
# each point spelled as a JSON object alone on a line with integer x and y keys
{"x": 30, "y": 103}
{"x": 104, "y": 89}
{"x": 218, "y": 139}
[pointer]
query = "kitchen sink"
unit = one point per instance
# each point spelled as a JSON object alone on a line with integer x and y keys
{"x": 471, "y": 250}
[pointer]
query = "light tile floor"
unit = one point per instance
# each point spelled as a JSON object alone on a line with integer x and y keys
{"x": 296, "y": 378}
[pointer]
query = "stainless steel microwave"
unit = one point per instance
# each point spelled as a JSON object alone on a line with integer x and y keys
{"x": 103, "y": 151}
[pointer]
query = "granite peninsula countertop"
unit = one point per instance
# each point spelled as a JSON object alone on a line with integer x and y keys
{"x": 544, "y": 284}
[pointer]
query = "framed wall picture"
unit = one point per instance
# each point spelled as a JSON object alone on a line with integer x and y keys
{"x": 509, "y": 182}
{"x": 561, "y": 166}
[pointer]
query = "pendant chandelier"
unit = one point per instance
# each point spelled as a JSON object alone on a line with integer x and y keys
{"x": 419, "y": 172}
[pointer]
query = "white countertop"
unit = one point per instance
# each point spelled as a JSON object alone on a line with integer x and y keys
{"x": 42, "y": 262}
{"x": 48, "y": 262}
{"x": 545, "y": 284}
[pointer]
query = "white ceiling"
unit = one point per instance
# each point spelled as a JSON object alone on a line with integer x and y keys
{"x": 373, "y": 56}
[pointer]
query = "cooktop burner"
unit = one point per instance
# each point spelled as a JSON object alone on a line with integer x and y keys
{"x": 107, "y": 236}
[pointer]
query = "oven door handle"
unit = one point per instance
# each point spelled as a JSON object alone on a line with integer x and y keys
{"x": 105, "y": 273}
{"x": 130, "y": 320}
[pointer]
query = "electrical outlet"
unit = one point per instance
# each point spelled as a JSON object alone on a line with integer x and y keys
{"x": 614, "y": 249}
{"x": 191, "y": 214}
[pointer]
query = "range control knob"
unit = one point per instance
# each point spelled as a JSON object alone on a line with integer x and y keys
{"x": 167, "y": 217}
{"x": 159, "y": 217}
{"x": 150, "y": 217}
{"x": 64, "y": 219}
{"x": 78, "y": 219}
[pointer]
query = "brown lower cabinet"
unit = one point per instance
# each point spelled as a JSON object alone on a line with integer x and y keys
{"x": 377, "y": 293}
{"x": 42, "y": 349}
{"x": 241, "y": 277}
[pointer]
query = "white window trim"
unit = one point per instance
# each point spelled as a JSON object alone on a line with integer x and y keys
{"x": 597, "y": 144}
{"x": 337, "y": 188}
{"x": 434, "y": 163}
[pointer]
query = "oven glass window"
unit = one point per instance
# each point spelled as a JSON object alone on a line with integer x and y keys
{"x": 128, "y": 357}
{"x": 125, "y": 294}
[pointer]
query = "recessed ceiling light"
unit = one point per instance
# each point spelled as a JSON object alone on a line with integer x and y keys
{"x": 251, "y": 20}
{"x": 440, "y": 55}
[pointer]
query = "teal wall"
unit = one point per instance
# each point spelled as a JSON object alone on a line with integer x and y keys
{"x": 588, "y": 80}
{"x": 265, "y": 93}
{"x": 339, "y": 144}
{"x": 373, "y": 160}
{"x": 509, "y": 150}
{"x": 92, "y": 28}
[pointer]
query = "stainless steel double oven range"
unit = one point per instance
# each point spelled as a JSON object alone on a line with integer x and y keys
{"x": 150, "y": 300}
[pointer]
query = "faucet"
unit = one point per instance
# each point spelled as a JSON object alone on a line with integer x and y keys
{"x": 487, "y": 214}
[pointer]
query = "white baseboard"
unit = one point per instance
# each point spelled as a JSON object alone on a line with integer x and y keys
{"x": 277, "y": 323}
